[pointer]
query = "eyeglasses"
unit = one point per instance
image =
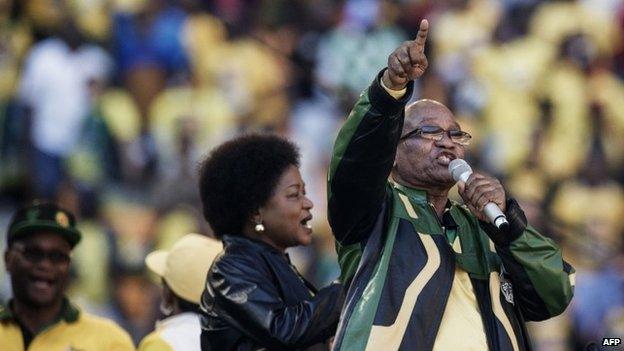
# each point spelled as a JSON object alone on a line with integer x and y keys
{"x": 36, "y": 255}
{"x": 436, "y": 133}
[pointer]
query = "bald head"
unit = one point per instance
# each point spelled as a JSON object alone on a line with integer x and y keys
{"x": 425, "y": 110}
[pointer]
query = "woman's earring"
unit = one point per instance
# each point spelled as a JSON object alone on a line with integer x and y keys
{"x": 259, "y": 228}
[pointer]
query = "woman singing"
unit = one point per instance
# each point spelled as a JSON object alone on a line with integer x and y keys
{"x": 254, "y": 199}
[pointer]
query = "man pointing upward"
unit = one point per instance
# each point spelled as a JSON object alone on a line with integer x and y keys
{"x": 425, "y": 273}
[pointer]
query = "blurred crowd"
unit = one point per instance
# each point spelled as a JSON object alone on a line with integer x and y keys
{"x": 106, "y": 106}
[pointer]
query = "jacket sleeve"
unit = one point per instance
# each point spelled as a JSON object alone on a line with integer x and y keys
{"x": 543, "y": 281}
{"x": 361, "y": 162}
{"x": 248, "y": 300}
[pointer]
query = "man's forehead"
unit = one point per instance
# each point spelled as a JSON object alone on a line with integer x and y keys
{"x": 436, "y": 121}
{"x": 429, "y": 112}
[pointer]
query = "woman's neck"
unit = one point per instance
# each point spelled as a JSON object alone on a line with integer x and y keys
{"x": 263, "y": 237}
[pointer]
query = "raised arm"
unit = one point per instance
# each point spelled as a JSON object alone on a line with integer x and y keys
{"x": 366, "y": 145}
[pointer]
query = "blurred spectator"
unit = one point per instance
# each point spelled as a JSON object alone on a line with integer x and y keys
{"x": 93, "y": 259}
{"x": 358, "y": 45}
{"x": 136, "y": 302}
{"x": 95, "y": 160}
{"x": 54, "y": 88}
{"x": 39, "y": 316}
{"x": 599, "y": 302}
{"x": 187, "y": 121}
{"x": 150, "y": 37}
{"x": 15, "y": 41}
{"x": 182, "y": 271}
{"x": 149, "y": 52}
{"x": 593, "y": 231}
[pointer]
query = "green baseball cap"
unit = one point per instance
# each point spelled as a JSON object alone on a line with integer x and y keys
{"x": 43, "y": 216}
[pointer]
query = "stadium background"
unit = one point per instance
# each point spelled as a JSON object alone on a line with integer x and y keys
{"x": 113, "y": 129}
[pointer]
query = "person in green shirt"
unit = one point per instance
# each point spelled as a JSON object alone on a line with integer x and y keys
{"x": 424, "y": 272}
{"x": 39, "y": 317}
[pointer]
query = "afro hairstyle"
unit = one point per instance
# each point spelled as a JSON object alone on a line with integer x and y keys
{"x": 239, "y": 176}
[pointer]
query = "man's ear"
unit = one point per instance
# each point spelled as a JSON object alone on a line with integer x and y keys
{"x": 9, "y": 257}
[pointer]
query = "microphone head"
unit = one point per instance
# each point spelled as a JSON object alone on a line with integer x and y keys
{"x": 457, "y": 167}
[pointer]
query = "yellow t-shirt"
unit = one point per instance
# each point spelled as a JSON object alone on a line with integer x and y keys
{"x": 76, "y": 331}
{"x": 461, "y": 327}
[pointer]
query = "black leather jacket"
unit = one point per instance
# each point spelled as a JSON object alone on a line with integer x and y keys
{"x": 256, "y": 300}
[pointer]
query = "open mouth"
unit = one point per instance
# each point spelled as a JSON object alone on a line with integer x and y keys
{"x": 306, "y": 222}
{"x": 42, "y": 283}
{"x": 445, "y": 158}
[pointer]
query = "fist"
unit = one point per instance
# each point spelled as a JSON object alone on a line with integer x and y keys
{"x": 478, "y": 191}
{"x": 408, "y": 61}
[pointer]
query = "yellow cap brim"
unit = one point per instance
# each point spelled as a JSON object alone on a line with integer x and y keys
{"x": 157, "y": 261}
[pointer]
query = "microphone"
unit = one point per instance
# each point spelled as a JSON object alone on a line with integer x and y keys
{"x": 460, "y": 170}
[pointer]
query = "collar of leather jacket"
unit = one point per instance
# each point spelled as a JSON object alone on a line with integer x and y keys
{"x": 229, "y": 240}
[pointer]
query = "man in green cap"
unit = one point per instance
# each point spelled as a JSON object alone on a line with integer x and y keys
{"x": 39, "y": 316}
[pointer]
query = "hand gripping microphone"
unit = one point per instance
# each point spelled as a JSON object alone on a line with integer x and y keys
{"x": 460, "y": 170}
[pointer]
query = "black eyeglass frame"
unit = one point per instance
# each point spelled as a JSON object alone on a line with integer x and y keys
{"x": 454, "y": 135}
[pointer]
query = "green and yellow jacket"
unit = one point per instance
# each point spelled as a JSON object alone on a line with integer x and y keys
{"x": 399, "y": 259}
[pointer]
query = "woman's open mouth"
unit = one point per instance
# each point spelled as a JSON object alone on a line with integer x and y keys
{"x": 306, "y": 222}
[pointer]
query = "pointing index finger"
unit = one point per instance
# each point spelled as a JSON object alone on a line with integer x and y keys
{"x": 421, "y": 37}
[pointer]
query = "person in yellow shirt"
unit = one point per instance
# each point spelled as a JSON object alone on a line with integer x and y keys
{"x": 183, "y": 271}
{"x": 39, "y": 317}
